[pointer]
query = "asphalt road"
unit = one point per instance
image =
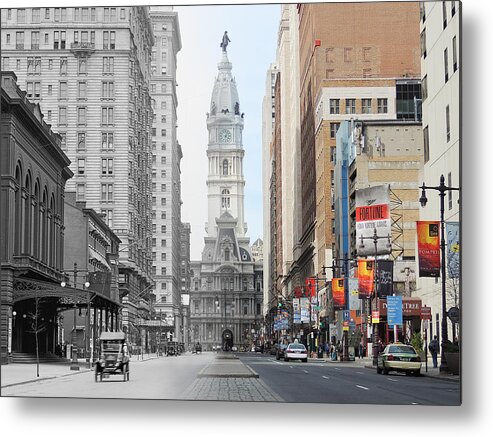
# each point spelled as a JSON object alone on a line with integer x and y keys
{"x": 162, "y": 378}
{"x": 348, "y": 383}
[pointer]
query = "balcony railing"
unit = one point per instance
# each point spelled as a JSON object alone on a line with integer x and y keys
{"x": 82, "y": 48}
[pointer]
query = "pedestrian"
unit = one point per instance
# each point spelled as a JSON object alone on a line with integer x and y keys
{"x": 434, "y": 349}
{"x": 360, "y": 350}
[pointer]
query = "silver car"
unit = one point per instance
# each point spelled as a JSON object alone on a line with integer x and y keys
{"x": 296, "y": 351}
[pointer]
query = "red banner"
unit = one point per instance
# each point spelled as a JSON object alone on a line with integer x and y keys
{"x": 310, "y": 287}
{"x": 428, "y": 248}
{"x": 338, "y": 293}
{"x": 365, "y": 278}
{"x": 298, "y": 292}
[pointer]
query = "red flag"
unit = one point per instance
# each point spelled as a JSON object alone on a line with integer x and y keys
{"x": 338, "y": 293}
{"x": 310, "y": 287}
{"x": 365, "y": 278}
{"x": 428, "y": 248}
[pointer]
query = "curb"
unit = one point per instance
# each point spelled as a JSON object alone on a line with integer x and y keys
{"x": 46, "y": 378}
{"x": 451, "y": 378}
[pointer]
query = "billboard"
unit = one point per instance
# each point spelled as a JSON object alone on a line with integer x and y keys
{"x": 428, "y": 248}
{"x": 365, "y": 278}
{"x": 373, "y": 212}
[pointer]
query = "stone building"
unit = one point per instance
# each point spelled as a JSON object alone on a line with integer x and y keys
{"x": 226, "y": 285}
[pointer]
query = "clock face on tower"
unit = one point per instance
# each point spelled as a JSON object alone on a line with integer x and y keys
{"x": 224, "y": 136}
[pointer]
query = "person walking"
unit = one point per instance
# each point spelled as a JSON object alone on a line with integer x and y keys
{"x": 434, "y": 349}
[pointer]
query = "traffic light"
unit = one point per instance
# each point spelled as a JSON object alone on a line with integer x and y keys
{"x": 279, "y": 305}
{"x": 369, "y": 319}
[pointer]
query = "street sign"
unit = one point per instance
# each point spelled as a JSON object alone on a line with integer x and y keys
{"x": 345, "y": 315}
{"x": 426, "y": 324}
{"x": 453, "y": 314}
{"x": 425, "y": 313}
{"x": 394, "y": 310}
{"x": 375, "y": 317}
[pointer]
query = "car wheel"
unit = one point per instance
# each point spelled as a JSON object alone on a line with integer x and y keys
{"x": 379, "y": 371}
{"x": 417, "y": 372}
{"x": 305, "y": 360}
{"x": 278, "y": 357}
{"x": 385, "y": 371}
{"x": 286, "y": 359}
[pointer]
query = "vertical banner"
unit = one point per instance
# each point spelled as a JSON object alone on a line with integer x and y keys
{"x": 284, "y": 319}
{"x": 305, "y": 310}
{"x": 354, "y": 302}
{"x": 452, "y": 230}
{"x": 373, "y": 212}
{"x": 310, "y": 287}
{"x": 394, "y": 310}
{"x": 428, "y": 248}
{"x": 338, "y": 293}
{"x": 385, "y": 277}
{"x": 365, "y": 278}
{"x": 296, "y": 311}
{"x": 298, "y": 291}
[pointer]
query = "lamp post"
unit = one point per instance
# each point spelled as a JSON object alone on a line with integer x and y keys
{"x": 442, "y": 188}
{"x": 375, "y": 237}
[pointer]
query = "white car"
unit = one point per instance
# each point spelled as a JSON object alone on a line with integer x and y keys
{"x": 296, "y": 351}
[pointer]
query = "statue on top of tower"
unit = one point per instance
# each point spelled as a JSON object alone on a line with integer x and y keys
{"x": 225, "y": 41}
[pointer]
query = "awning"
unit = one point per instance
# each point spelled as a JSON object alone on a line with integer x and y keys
{"x": 99, "y": 258}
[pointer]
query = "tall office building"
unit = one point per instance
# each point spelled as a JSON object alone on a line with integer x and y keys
{"x": 89, "y": 69}
{"x": 441, "y": 68}
{"x": 166, "y": 157}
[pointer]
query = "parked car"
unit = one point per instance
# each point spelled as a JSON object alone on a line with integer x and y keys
{"x": 399, "y": 357}
{"x": 296, "y": 351}
{"x": 198, "y": 348}
{"x": 280, "y": 349}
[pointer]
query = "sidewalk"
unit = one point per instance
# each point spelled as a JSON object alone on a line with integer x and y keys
{"x": 16, "y": 374}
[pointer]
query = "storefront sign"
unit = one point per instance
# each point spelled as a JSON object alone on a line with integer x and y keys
{"x": 411, "y": 307}
{"x": 375, "y": 317}
{"x": 425, "y": 313}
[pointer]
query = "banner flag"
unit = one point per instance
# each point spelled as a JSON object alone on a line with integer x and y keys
{"x": 428, "y": 248}
{"x": 305, "y": 310}
{"x": 338, "y": 293}
{"x": 365, "y": 278}
{"x": 296, "y": 311}
{"x": 385, "y": 277}
{"x": 354, "y": 302}
{"x": 452, "y": 230}
{"x": 310, "y": 287}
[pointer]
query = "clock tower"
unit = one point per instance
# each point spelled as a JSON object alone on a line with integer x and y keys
{"x": 225, "y": 181}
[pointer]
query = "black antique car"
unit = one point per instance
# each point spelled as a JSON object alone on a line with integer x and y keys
{"x": 198, "y": 348}
{"x": 113, "y": 356}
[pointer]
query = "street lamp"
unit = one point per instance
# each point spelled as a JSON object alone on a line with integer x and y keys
{"x": 442, "y": 188}
{"x": 375, "y": 237}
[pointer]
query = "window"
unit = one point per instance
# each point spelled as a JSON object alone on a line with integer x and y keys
{"x": 163, "y": 215}
{"x": 85, "y": 14}
{"x": 81, "y": 166}
{"x": 454, "y": 52}
{"x": 113, "y": 14}
{"x": 424, "y": 87}
{"x": 18, "y": 64}
{"x": 34, "y": 65}
{"x": 82, "y": 90}
{"x": 49, "y": 116}
{"x": 82, "y": 64}
{"x": 109, "y": 40}
{"x": 163, "y": 243}
{"x": 366, "y": 106}
{"x": 163, "y": 88}
{"x": 47, "y": 38}
{"x": 47, "y": 13}
{"x": 81, "y": 141}
{"x": 106, "y": 116}
{"x": 108, "y": 64}
{"x": 163, "y": 201}
{"x": 382, "y": 106}
{"x": 62, "y": 116}
{"x": 19, "y": 40}
{"x": 107, "y": 192}
{"x": 5, "y": 63}
{"x": 163, "y": 71}
{"x": 34, "y": 40}
{"x": 81, "y": 192}
{"x": 163, "y": 105}
{"x": 350, "y": 106}
{"x": 163, "y": 256}
{"x": 63, "y": 66}
{"x": 63, "y": 16}
{"x": 7, "y": 38}
{"x": 106, "y": 14}
{"x": 447, "y": 122}
{"x": 332, "y": 154}
{"x": 444, "y": 14}
{"x": 423, "y": 43}
{"x": 63, "y": 141}
{"x": 347, "y": 54}
{"x": 163, "y": 173}
{"x": 163, "y": 271}
{"x": 445, "y": 64}
{"x": 57, "y": 14}
{"x": 21, "y": 15}
{"x": 163, "y": 187}
{"x": 9, "y": 14}
{"x": 163, "y": 132}
{"x": 225, "y": 167}
{"x": 329, "y": 55}
{"x": 81, "y": 115}
{"x": 225, "y": 199}
{"x": 107, "y": 166}
{"x": 366, "y": 54}
{"x": 108, "y": 90}
{"x": 163, "y": 146}
{"x": 334, "y": 106}
{"x": 122, "y": 13}
{"x": 163, "y": 229}
{"x": 107, "y": 140}
{"x": 163, "y": 159}
{"x": 108, "y": 213}
{"x": 34, "y": 90}
{"x": 333, "y": 129}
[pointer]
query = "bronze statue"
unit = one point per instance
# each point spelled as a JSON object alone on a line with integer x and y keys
{"x": 225, "y": 41}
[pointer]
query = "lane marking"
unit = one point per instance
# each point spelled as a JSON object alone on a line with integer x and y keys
{"x": 290, "y": 367}
{"x": 361, "y": 373}
{"x": 390, "y": 379}
{"x": 414, "y": 403}
{"x": 363, "y": 387}
{"x": 325, "y": 377}
{"x": 306, "y": 371}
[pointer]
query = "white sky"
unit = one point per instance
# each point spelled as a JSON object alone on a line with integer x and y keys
{"x": 252, "y": 30}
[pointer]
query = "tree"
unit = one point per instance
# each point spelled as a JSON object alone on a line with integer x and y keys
{"x": 38, "y": 325}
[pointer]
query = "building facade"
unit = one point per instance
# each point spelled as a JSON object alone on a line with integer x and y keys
{"x": 89, "y": 68}
{"x": 226, "y": 291}
{"x": 440, "y": 26}
{"x": 34, "y": 172}
{"x": 166, "y": 173}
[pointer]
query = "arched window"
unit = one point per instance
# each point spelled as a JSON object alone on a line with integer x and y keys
{"x": 225, "y": 202}
{"x": 18, "y": 210}
{"x": 35, "y": 222}
{"x": 225, "y": 167}
{"x": 26, "y": 228}
{"x": 43, "y": 228}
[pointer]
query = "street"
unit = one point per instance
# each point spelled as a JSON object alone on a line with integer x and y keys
{"x": 348, "y": 383}
{"x": 314, "y": 382}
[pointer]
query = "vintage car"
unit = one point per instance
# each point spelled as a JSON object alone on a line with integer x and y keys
{"x": 172, "y": 349}
{"x": 198, "y": 348}
{"x": 113, "y": 356}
